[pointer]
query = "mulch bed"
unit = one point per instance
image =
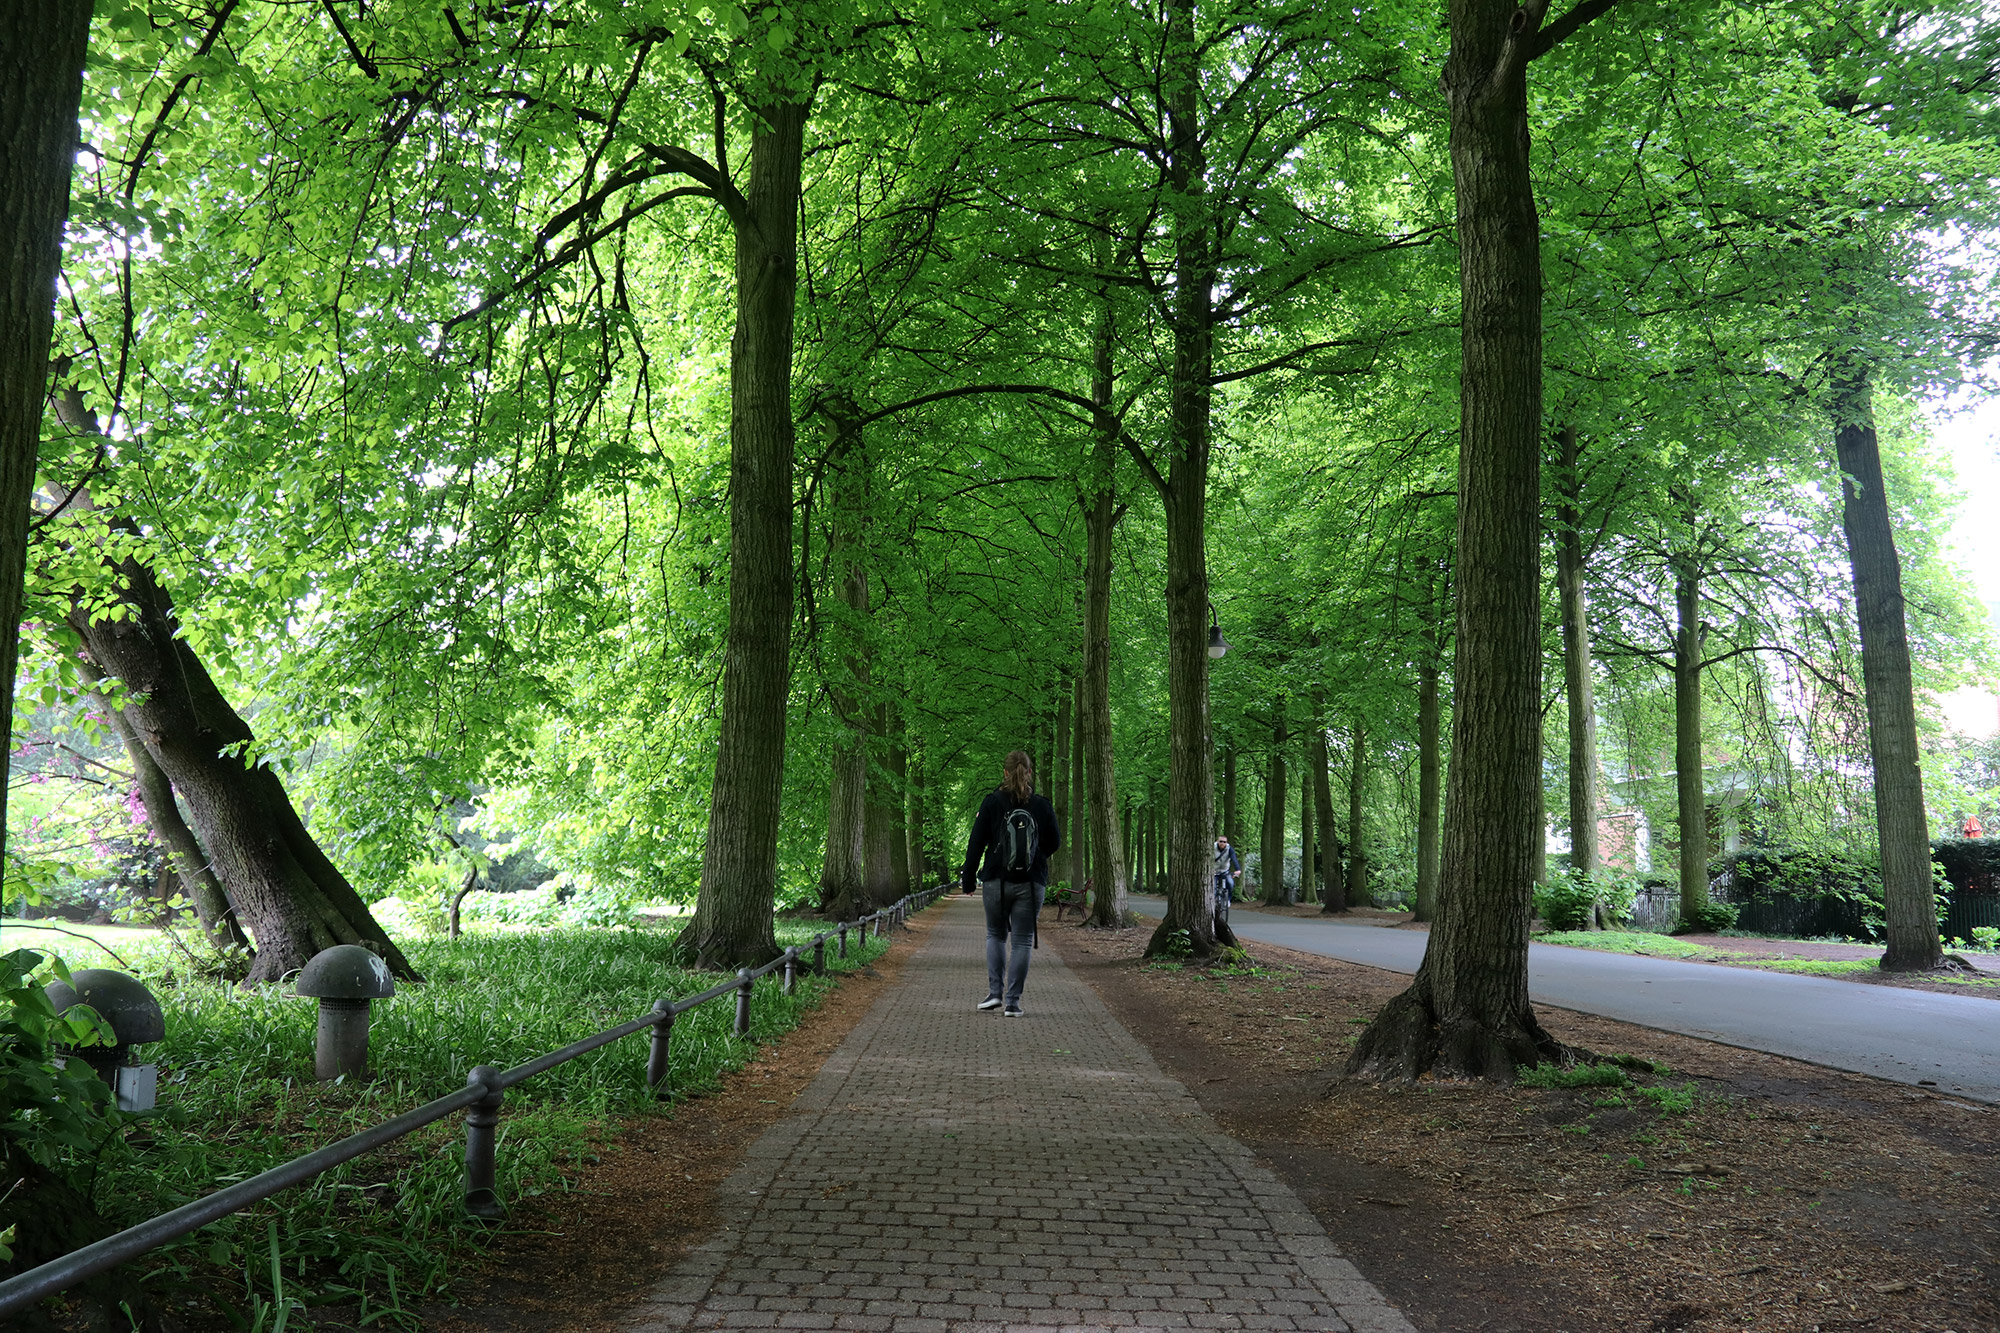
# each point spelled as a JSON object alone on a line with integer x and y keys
{"x": 1744, "y": 1192}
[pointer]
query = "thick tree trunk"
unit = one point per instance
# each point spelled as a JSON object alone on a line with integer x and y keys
{"x": 913, "y": 820}
{"x": 1690, "y": 795}
{"x": 1357, "y": 849}
{"x": 1910, "y": 904}
{"x": 1428, "y": 749}
{"x": 882, "y": 805}
{"x": 42, "y": 46}
{"x": 1467, "y": 1011}
{"x": 1191, "y": 775}
{"x": 731, "y": 926}
{"x": 1277, "y": 793}
{"x": 1579, "y": 688}
{"x": 184, "y": 851}
{"x": 288, "y": 895}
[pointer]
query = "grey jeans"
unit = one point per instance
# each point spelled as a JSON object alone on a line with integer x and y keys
{"x": 1010, "y": 918}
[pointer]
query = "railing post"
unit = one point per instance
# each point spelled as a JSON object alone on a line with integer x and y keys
{"x": 843, "y": 939}
{"x": 481, "y": 1117}
{"x": 743, "y": 985}
{"x": 791, "y": 969}
{"x": 659, "y": 1050}
{"x": 819, "y": 955}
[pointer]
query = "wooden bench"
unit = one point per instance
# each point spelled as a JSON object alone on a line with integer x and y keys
{"x": 1068, "y": 899}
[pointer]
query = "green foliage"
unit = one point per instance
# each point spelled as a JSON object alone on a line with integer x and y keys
{"x": 1568, "y": 900}
{"x": 237, "y": 1097}
{"x": 54, "y": 1111}
{"x": 1707, "y": 919}
{"x": 1574, "y": 1076}
{"x": 1670, "y": 1101}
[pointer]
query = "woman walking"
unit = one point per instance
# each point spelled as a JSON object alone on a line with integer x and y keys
{"x": 1009, "y": 850}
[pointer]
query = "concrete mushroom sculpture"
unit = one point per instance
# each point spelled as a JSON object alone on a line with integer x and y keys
{"x": 135, "y": 1019}
{"x": 344, "y": 979}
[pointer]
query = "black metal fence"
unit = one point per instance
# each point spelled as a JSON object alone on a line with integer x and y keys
{"x": 480, "y": 1099}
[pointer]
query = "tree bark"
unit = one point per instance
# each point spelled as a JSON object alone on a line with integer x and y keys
{"x": 42, "y": 44}
{"x": 913, "y": 820}
{"x": 1910, "y": 904}
{"x": 1578, "y": 685}
{"x": 1308, "y": 871}
{"x": 1077, "y": 823}
{"x": 1357, "y": 786}
{"x": 1691, "y": 799}
{"x": 732, "y": 926}
{"x": 293, "y": 900}
{"x": 1060, "y": 865}
{"x": 1229, "y": 822}
{"x": 845, "y": 890}
{"x": 1191, "y": 776}
{"x": 1277, "y": 792}
{"x": 882, "y": 806}
{"x": 1467, "y": 1011}
{"x": 1428, "y": 748}
{"x": 1332, "y": 872}
{"x": 894, "y": 804}
{"x": 190, "y": 863}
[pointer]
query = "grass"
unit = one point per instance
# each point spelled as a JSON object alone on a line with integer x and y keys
{"x": 237, "y": 1096}
{"x": 1626, "y": 941}
{"x": 80, "y": 945}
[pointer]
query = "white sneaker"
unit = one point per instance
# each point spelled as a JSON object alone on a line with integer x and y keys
{"x": 1013, "y": 1011}
{"x": 990, "y": 1002}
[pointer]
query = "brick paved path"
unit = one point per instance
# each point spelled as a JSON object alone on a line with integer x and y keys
{"x": 951, "y": 1171}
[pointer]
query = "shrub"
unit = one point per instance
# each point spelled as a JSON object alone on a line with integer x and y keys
{"x": 1707, "y": 919}
{"x": 1567, "y": 900}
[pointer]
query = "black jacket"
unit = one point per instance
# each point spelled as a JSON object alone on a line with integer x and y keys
{"x": 979, "y": 849}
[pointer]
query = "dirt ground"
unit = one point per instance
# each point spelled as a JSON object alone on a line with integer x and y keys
{"x": 1737, "y": 1191}
{"x": 578, "y": 1261}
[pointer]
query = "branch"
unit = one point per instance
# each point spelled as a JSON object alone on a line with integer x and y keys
{"x": 1098, "y": 416}
{"x": 1581, "y": 13}
{"x": 367, "y": 65}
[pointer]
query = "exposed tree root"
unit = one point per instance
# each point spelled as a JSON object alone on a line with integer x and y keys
{"x": 1408, "y": 1039}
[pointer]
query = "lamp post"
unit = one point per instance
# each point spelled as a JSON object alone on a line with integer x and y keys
{"x": 1217, "y": 645}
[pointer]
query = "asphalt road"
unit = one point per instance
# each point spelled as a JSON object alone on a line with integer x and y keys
{"x": 1951, "y": 1042}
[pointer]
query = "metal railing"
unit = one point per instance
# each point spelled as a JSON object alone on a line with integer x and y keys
{"x": 480, "y": 1099}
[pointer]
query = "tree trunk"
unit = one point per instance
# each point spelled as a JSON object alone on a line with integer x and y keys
{"x": 42, "y": 45}
{"x": 1467, "y": 1011}
{"x": 1229, "y": 823}
{"x": 1308, "y": 869}
{"x": 1191, "y": 777}
{"x": 1691, "y": 799}
{"x": 894, "y": 804}
{"x": 189, "y": 862}
{"x": 293, "y": 901}
{"x": 1077, "y": 824}
{"x": 1427, "y": 784}
{"x": 845, "y": 890}
{"x": 465, "y": 886}
{"x": 913, "y": 820}
{"x": 1332, "y": 874}
{"x": 1357, "y": 785}
{"x": 1060, "y": 865}
{"x": 1579, "y": 688}
{"x": 882, "y": 806}
{"x": 1277, "y": 791}
{"x": 1909, "y": 901}
{"x": 731, "y": 926}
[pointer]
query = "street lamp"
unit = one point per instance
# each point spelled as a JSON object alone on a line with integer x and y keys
{"x": 1217, "y": 645}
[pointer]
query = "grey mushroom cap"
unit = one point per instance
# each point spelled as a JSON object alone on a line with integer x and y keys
{"x": 346, "y": 972}
{"x": 130, "y": 1009}
{"x": 61, "y": 995}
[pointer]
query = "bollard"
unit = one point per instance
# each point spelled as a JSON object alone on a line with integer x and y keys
{"x": 743, "y": 985}
{"x": 819, "y": 956}
{"x": 791, "y": 969}
{"x": 659, "y": 1049}
{"x": 481, "y": 1200}
{"x": 345, "y": 979}
{"x": 843, "y": 939}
